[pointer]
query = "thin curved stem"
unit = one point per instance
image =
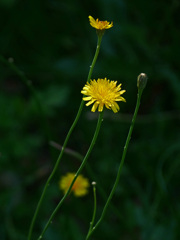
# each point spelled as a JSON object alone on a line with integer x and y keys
{"x": 121, "y": 164}
{"x": 94, "y": 211}
{"x": 91, "y": 173}
{"x": 95, "y": 57}
{"x": 54, "y": 169}
{"x": 65, "y": 143}
{"x": 76, "y": 175}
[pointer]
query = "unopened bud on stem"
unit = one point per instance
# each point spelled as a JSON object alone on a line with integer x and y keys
{"x": 142, "y": 81}
{"x": 93, "y": 183}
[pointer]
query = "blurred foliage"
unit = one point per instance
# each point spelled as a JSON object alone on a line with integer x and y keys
{"x": 52, "y": 44}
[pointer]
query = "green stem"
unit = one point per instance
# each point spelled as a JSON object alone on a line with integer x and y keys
{"x": 54, "y": 170}
{"x": 91, "y": 173}
{"x": 76, "y": 175}
{"x": 121, "y": 164}
{"x": 65, "y": 143}
{"x": 95, "y": 58}
{"x": 94, "y": 211}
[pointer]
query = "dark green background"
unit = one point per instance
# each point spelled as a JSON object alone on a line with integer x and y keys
{"x": 52, "y": 43}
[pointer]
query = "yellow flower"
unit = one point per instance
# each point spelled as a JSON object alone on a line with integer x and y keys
{"x": 100, "y": 25}
{"x": 103, "y": 92}
{"x": 80, "y": 185}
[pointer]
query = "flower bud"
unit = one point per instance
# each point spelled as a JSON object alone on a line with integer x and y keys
{"x": 142, "y": 81}
{"x": 93, "y": 183}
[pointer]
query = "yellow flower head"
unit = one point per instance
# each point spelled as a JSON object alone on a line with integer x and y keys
{"x": 80, "y": 187}
{"x": 100, "y": 25}
{"x": 103, "y": 92}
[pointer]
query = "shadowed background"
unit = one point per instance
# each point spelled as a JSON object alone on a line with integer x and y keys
{"x": 52, "y": 44}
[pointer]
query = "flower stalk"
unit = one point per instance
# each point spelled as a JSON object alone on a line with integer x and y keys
{"x": 140, "y": 91}
{"x": 95, "y": 58}
{"x": 65, "y": 143}
{"x": 100, "y": 119}
{"x": 94, "y": 211}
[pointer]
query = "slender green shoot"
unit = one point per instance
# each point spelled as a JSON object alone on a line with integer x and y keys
{"x": 142, "y": 79}
{"x": 91, "y": 173}
{"x": 64, "y": 145}
{"x": 100, "y": 119}
{"x": 94, "y": 211}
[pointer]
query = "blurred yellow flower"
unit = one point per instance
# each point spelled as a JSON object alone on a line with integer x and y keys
{"x": 103, "y": 92}
{"x": 80, "y": 187}
{"x": 100, "y": 25}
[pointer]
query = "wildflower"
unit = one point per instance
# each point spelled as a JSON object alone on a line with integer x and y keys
{"x": 103, "y": 92}
{"x": 100, "y": 25}
{"x": 80, "y": 185}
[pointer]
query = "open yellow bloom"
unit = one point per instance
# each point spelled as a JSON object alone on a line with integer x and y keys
{"x": 80, "y": 187}
{"x": 102, "y": 93}
{"x": 100, "y": 25}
